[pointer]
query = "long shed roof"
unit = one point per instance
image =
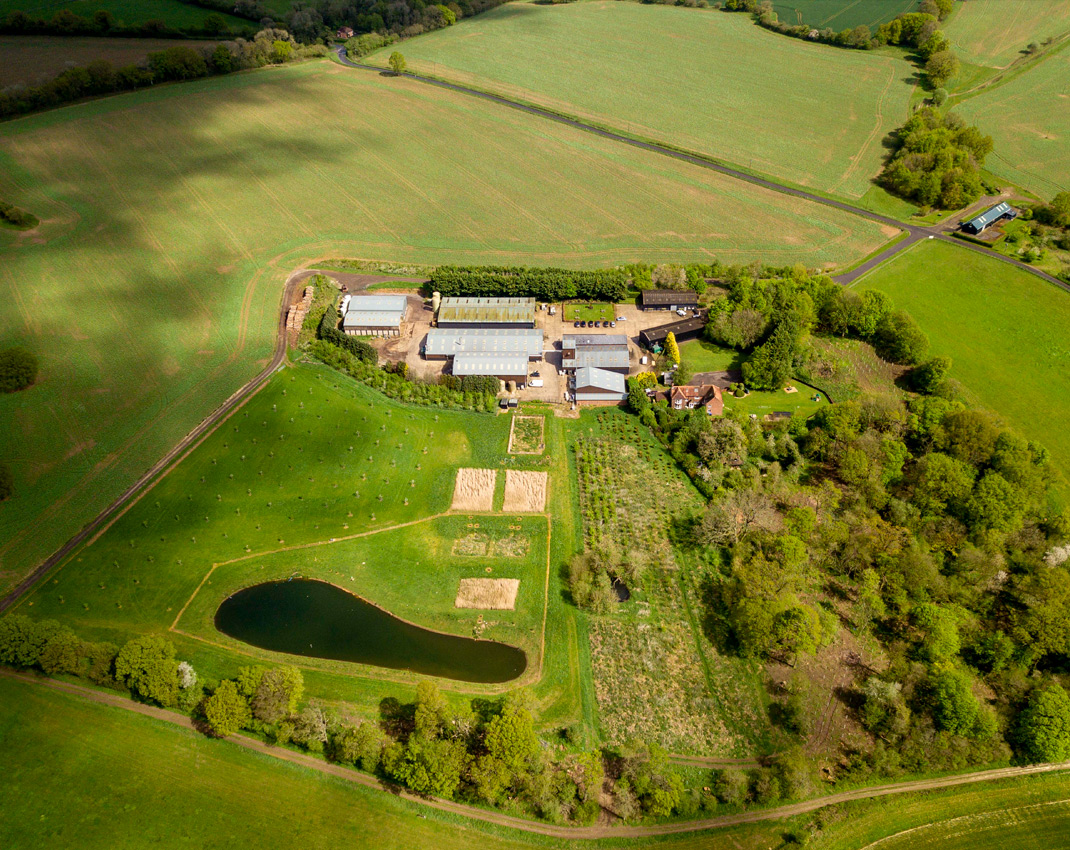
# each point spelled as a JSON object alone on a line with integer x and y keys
{"x": 658, "y": 334}
{"x": 663, "y": 297}
{"x": 616, "y": 358}
{"x": 490, "y": 364}
{"x": 599, "y": 379}
{"x": 590, "y": 340}
{"x": 374, "y": 303}
{"x": 372, "y": 319}
{"x": 492, "y": 310}
{"x": 989, "y": 216}
{"x": 450, "y": 341}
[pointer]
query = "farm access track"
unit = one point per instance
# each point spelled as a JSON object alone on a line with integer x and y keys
{"x": 550, "y": 830}
{"x": 915, "y": 232}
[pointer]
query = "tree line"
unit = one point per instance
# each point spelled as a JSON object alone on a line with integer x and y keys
{"x": 542, "y": 284}
{"x": 104, "y": 25}
{"x": 181, "y": 62}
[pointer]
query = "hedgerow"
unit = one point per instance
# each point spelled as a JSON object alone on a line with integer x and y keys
{"x": 543, "y": 284}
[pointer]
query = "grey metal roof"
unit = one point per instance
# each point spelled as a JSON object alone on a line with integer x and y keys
{"x": 587, "y": 340}
{"x": 372, "y": 319}
{"x": 989, "y": 216}
{"x": 375, "y": 303}
{"x": 616, "y": 358}
{"x": 599, "y": 379}
{"x": 490, "y": 364}
{"x": 495, "y": 310}
{"x": 450, "y": 341}
{"x": 659, "y": 297}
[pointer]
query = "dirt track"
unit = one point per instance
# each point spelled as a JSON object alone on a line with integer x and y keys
{"x": 579, "y": 832}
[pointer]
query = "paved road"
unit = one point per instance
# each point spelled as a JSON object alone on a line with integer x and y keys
{"x": 915, "y": 232}
{"x": 496, "y": 818}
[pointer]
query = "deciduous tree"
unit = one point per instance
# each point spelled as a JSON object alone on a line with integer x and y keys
{"x": 226, "y": 710}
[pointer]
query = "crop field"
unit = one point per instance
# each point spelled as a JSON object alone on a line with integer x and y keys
{"x": 995, "y": 32}
{"x": 841, "y": 14}
{"x": 655, "y": 675}
{"x": 171, "y": 217}
{"x": 822, "y": 111}
{"x": 1004, "y": 329}
{"x": 33, "y": 59}
{"x": 128, "y": 12}
{"x": 1029, "y": 120}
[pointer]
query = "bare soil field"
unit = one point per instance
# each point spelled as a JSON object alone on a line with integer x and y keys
{"x": 497, "y": 594}
{"x": 474, "y": 490}
{"x": 525, "y": 492}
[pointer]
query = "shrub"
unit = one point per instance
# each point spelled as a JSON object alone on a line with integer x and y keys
{"x": 18, "y": 369}
{"x": 17, "y": 217}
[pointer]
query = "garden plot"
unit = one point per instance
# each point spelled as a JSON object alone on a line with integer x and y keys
{"x": 474, "y": 490}
{"x": 525, "y": 492}
{"x": 483, "y": 546}
{"x": 496, "y": 594}
{"x": 526, "y": 435}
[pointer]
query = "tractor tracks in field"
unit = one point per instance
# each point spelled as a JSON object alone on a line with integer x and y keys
{"x": 915, "y": 232}
{"x": 549, "y": 830}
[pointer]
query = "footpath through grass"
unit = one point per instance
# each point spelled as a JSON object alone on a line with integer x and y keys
{"x": 172, "y": 216}
{"x": 1004, "y": 329}
{"x": 699, "y": 79}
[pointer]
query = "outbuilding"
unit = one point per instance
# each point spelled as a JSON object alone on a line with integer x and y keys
{"x": 684, "y": 329}
{"x": 598, "y": 385}
{"x": 999, "y": 211}
{"x": 668, "y": 299}
{"x": 374, "y": 315}
{"x": 455, "y": 312}
{"x": 507, "y": 367}
{"x": 444, "y": 343}
{"x": 601, "y": 351}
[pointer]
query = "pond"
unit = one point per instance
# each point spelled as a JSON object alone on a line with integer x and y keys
{"x": 317, "y": 619}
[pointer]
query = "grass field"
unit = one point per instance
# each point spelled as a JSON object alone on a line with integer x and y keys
{"x": 995, "y": 32}
{"x": 1029, "y": 119}
{"x": 590, "y": 312}
{"x": 841, "y": 14}
{"x": 128, "y": 12}
{"x": 1004, "y": 329}
{"x": 171, "y": 217}
{"x": 32, "y": 59}
{"x": 822, "y": 111}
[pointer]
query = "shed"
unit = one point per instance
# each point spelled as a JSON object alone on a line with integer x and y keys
{"x": 508, "y": 367}
{"x": 591, "y": 384}
{"x": 444, "y": 343}
{"x": 374, "y": 315}
{"x": 684, "y": 329}
{"x": 602, "y": 351}
{"x": 978, "y": 225}
{"x": 466, "y": 312}
{"x": 668, "y": 299}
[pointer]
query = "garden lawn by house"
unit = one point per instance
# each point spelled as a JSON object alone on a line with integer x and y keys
{"x": 1028, "y": 117}
{"x": 127, "y": 12}
{"x": 696, "y": 79}
{"x": 1004, "y": 329}
{"x": 575, "y": 312}
{"x": 701, "y": 356}
{"x": 170, "y": 218}
{"x": 995, "y": 32}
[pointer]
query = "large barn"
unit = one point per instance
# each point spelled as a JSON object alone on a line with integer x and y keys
{"x": 444, "y": 343}
{"x": 978, "y": 225}
{"x": 373, "y": 315}
{"x": 507, "y": 367}
{"x": 486, "y": 313}
{"x": 668, "y": 299}
{"x": 602, "y": 351}
{"x": 598, "y": 385}
{"x": 684, "y": 329}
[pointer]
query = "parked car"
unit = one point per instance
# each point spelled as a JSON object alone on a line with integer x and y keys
{"x": 534, "y": 374}
{"x": 622, "y": 318}
{"x": 575, "y": 324}
{"x": 612, "y": 324}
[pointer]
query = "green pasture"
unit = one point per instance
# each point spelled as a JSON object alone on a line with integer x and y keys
{"x": 841, "y": 14}
{"x": 590, "y": 312}
{"x": 172, "y": 216}
{"x": 1028, "y": 117}
{"x": 713, "y": 83}
{"x": 412, "y": 572}
{"x": 1004, "y": 329}
{"x": 126, "y": 12}
{"x": 996, "y": 32}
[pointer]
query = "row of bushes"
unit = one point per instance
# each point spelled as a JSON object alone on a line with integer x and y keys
{"x": 270, "y": 47}
{"x": 102, "y": 23}
{"x": 543, "y": 284}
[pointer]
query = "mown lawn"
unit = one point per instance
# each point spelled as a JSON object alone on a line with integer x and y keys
{"x": 1004, "y": 329}
{"x": 995, "y": 32}
{"x": 698, "y": 79}
{"x": 172, "y": 216}
{"x": 590, "y": 312}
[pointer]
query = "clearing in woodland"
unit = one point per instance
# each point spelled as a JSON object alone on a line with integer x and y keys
{"x": 1004, "y": 329}
{"x": 995, "y": 32}
{"x": 1028, "y": 117}
{"x": 172, "y": 216}
{"x": 697, "y": 79}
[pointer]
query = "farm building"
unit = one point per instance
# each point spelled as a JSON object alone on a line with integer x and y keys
{"x": 444, "y": 343}
{"x": 601, "y": 351}
{"x": 373, "y": 315}
{"x": 687, "y": 397}
{"x": 486, "y": 313}
{"x": 591, "y": 384}
{"x": 684, "y": 329}
{"x": 668, "y": 299}
{"x": 508, "y": 367}
{"x": 999, "y": 211}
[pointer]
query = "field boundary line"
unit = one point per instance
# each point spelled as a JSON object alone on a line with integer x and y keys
{"x": 551, "y": 830}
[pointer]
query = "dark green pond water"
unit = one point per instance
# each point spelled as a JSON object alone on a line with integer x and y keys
{"x": 317, "y": 619}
